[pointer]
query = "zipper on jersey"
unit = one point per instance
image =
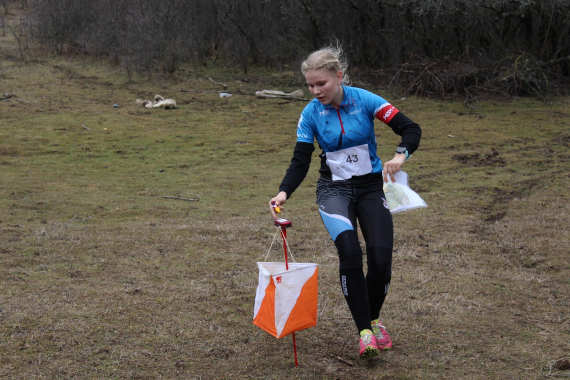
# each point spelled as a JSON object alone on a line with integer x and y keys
{"x": 341, "y": 129}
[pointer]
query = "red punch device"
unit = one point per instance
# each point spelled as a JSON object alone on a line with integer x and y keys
{"x": 283, "y": 223}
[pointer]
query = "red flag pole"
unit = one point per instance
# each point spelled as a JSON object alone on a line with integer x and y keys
{"x": 295, "y": 349}
{"x": 283, "y": 224}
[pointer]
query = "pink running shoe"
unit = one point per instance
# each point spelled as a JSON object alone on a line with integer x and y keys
{"x": 368, "y": 345}
{"x": 383, "y": 339}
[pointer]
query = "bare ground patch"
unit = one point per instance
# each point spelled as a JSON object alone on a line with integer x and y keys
{"x": 100, "y": 277}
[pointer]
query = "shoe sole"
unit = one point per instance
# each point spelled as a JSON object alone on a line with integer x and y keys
{"x": 369, "y": 353}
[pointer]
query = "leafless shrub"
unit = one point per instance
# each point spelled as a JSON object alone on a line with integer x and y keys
{"x": 436, "y": 47}
{"x": 20, "y": 34}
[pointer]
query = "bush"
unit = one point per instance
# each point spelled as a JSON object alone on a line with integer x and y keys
{"x": 422, "y": 38}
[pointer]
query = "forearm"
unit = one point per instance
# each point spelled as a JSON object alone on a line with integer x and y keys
{"x": 298, "y": 168}
{"x": 410, "y": 131}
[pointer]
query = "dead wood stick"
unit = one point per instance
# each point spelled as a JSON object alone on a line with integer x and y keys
{"x": 344, "y": 361}
{"x": 180, "y": 198}
{"x": 225, "y": 86}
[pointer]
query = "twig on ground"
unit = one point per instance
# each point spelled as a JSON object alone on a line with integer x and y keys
{"x": 225, "y": 86}
{"x": 180, "y": 198}
{"x": 344, "y": 361}
{"x": 269, "y": 94}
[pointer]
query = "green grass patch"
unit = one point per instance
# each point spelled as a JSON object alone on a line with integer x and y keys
{"x": 105, "y": 274}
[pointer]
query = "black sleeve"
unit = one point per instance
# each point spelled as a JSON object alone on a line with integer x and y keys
{"x": 410, "y": 131}
{"x": 298, "y": 168}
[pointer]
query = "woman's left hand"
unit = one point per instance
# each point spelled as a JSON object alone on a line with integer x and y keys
{"x": 393, "y": 166}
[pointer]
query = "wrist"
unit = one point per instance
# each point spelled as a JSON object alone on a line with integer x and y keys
{"x": 402, "y": 151}
{"x": 400, "y": 157}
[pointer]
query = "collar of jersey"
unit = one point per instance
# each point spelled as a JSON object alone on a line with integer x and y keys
{"x": 345, "y": 100}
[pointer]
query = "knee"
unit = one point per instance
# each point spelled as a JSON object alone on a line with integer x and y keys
{"x": 349, "y": 251}
{"x": 379, "y": 260}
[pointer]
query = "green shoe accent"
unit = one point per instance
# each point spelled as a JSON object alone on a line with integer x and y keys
{"x": 368, "y": 345}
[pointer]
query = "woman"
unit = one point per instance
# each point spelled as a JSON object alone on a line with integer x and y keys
{"x": 349, "y": 190}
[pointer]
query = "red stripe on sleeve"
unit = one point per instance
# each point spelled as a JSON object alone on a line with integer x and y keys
{"x": 386, "y": 114}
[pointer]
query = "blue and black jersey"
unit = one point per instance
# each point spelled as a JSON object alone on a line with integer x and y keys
{"x": 349, "y": 125}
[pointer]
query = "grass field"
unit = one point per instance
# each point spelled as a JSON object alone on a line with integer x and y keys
{"x": 103, "y": 276}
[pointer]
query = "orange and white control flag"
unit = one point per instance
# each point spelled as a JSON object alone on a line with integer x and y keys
{"x": 286, "y": 300}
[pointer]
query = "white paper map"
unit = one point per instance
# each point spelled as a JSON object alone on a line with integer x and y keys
{"x": 399, "y": 196}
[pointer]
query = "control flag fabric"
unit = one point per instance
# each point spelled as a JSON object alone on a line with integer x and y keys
{"x": 286, "y": 300}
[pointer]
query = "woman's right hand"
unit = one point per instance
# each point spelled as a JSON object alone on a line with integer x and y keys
{"x": 277, "y": 201}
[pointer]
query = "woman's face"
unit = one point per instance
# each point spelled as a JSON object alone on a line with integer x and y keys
{"x": 325, "y": 85}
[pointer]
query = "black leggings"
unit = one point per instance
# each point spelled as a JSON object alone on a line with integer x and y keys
{"x": 343, "y": 204}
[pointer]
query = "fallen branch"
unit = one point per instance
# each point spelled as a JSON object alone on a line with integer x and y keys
{"x": 344, "y": 361}
{"x": 180, "y": 198}
{"x": 158, "y": 102}
{"x": 225, "y": 86}
{"x": 295, "y": 95}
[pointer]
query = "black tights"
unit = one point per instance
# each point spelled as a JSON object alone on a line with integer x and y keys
{"x": 363, "y": 203}
{"x": 364, "y": 296}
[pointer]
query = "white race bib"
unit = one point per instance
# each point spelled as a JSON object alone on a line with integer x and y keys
{"x": 349, "y": 162}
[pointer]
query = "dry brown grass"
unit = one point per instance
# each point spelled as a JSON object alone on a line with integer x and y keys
{"x": 102, "y": 278}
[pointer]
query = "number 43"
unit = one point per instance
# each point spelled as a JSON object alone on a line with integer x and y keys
{"x": 352, "y": 158}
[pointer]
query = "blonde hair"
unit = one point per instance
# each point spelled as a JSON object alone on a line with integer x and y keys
{"x": 329, "y": 58}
